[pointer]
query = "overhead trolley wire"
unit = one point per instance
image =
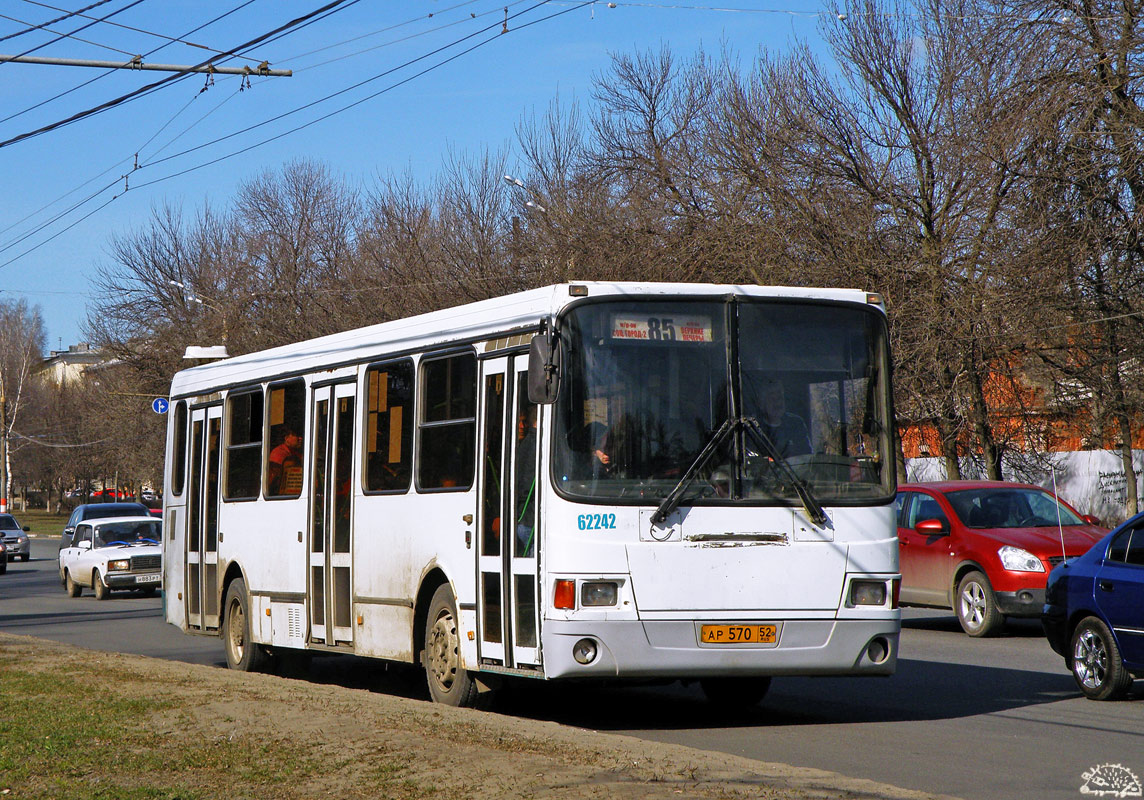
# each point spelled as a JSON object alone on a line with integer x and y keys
{"x": 295, "y": 23}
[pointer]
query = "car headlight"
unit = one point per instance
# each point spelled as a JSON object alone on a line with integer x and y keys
{"x": 120, "y": 564}
{"x": 1018, "y": 560}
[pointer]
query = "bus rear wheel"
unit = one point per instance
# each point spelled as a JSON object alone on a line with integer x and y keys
{"x": 242, "y": 652}
{"x": 449, "y": 683}
{"x": 735, "y": 693}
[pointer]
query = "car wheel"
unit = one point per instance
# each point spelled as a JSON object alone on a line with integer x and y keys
{"x": 1095, "y": 662}
{"x": 102, "y": 592}
{"x": 449, "y": 683}
{"x": 74, "y": 589}
{"x": 242, "y": 652}
{"x": 976, "y": 606}
{"x": 735, "y": 693}
{"x": 3, "y": 565}
{"x": 26, "y": 557}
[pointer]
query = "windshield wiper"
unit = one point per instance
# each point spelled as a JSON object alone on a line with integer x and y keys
{"x": 809, "y": 501}
{"x": 671, "y": 502}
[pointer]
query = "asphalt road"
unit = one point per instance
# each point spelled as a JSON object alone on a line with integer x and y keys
{"x": 977, "y": 719}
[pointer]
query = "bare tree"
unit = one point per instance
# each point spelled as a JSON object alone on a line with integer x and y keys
{"x": 21, "y": 350}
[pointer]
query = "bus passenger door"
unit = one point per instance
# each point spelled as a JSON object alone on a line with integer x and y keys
{"x": 507, "y": 561}
{"x": 329, "y": 586}
{"x": 201, "y": 580}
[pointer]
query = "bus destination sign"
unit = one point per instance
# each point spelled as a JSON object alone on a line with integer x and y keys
{"x": 650, "y": 328}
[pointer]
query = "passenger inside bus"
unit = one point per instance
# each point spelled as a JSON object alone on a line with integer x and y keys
{"x": 285, "y": 464}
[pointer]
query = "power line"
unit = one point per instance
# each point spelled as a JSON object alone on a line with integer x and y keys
{"x": 293, "y": 130}
{"x": 170, "y": 39}
{"x": 356, "y": 86}
{"x": 299, "y": 21}
{"x": 77, "y": 30}
{"x": 70, "y": 36}
{"x": 67, "y": 15}
{"x": 145, "y": 55}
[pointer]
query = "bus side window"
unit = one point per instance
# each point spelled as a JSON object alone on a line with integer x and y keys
{"x": 179, "y": 457}
{"x": 389, "y": 427}
{"x": 243, "y": 445}
{"x": 448, "y": 422}
{"x": 286, "y": 426}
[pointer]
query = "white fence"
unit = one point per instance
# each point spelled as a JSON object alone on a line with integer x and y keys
{"x": 1091, "y": 481}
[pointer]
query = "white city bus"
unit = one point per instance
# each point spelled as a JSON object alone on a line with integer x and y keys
{"x": 584, "y": 481}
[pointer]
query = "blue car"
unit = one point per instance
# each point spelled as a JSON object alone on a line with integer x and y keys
{"x": 1094, "y": 612}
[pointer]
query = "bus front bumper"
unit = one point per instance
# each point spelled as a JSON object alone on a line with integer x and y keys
{"x": 671, "y": 649}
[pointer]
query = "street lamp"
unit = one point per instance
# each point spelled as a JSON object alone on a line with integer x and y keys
{"x": 518, "y": 183}
{"x": 196, "y": 351}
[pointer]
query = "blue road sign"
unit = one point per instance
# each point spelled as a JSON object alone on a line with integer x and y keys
{"x": 160, "y": 405}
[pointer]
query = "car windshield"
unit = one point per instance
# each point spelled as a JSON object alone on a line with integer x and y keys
{"x": 1010, "y": 508}
{"x": 8, "y": 523}
{"x": 119, "y": 533}
{"x": 761, "y": 399}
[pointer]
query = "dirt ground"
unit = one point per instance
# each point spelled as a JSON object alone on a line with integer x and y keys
{"x": 381, "y": 745}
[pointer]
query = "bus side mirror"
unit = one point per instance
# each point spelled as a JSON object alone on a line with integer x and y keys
{"x": 543, "y": 370}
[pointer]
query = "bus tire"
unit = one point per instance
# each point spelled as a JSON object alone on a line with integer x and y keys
{"x": 102, "y": 592}
{"x": 74, "y": 589}
{"x": 734, "y": 693}
{"x": 449, "y": 683}
{"x": 242, "y": 652}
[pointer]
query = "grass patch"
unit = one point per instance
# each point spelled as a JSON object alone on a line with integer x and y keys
{"x": 72, "y": 731}
{"x": 42, "y": 522}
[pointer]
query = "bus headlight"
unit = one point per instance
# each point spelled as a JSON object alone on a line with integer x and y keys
{"x": 119, "y": 565}
{"x": 867, "y": 593}
{"x": 598, "y": 593}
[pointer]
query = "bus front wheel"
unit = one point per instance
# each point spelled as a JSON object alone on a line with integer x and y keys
{"x": 449, "y": 683}
{"x": 242, "y": 652}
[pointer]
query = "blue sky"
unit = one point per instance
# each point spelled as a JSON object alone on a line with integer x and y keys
{"x": 466, "y": 105}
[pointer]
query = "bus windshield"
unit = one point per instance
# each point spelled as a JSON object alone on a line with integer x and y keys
{"x": 756, "y": 396}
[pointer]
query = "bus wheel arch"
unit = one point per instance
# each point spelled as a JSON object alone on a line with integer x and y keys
{"x": 438, "y": 647}
{"x": 430, "y": 582}
{"x": 236, "y": 628}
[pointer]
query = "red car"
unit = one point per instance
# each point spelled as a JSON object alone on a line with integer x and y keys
{"x": 985, "y": 548}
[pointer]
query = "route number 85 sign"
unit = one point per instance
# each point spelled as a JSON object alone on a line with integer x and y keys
{"x": 649, "y": 328}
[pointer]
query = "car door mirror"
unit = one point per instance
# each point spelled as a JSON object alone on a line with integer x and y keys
{"x": 27, "y": 529}
{"x": 84, "y": 545}
{"x": 1091, "y": 519}
{"x": 932, "y": 527}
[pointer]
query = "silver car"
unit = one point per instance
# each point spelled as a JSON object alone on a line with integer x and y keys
{"x": 15, "y": 538}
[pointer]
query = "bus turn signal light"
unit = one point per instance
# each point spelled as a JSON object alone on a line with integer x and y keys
{"x": 565, "y": 596}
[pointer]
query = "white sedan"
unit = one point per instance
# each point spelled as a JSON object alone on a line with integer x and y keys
{"x": 114, "y": 553}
